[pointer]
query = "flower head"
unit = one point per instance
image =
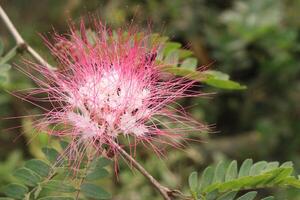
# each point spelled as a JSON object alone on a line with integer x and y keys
{"x": 108, "y": 85}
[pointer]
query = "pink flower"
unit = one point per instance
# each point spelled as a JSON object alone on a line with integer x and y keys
{"x": 112, "y": 87}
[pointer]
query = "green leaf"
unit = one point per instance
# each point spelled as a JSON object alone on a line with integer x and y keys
{"x": 100, "y": 162}
{"x": 193, "y": 183}
{"x": 157, "y": 38}
{"x": 285, "y": 172}
{"x": 97, "y": 174}
{"x": 207, "y": 177}
{"x": 271, "y": 166}
{"x": 27, "y": 176}
{"x": 96, "y": 169}
{"x": 212, "y": 195}
{"x": 219, "y": 172}
{"x": 38, "y": 166}
{"x": 171, "y": 54}
{"x": 51, "y": 154}
{"x": 37, "y": 192}
{"x": 231, "y": 171}
{"x": 16, "y": 191}
{"x": 183, "y": 53}
{"x": 170, "y": 46}
{"x": 6, "y": 198}
{"x": 189, "y": 63}
{"x": 5, "y": 67}
{"x": 190, "y": 74}
{"x": 1, "y": 48}
{"x": 64, "y": 144}
{"x": 94, "y": 191}
{"x": 248, "y": 196}
{"x": 9, "y": 55}
{"x": 202, "y": 77}
{"x": 257, "y": 168}
{"x": 292, "y": 181}
{"x": 217, "y": 74}
{"x": 4, "y": 72}
{"x": 287, "y": 164}
{"x": 268, "y": 198}
{"x": 245, "y": 168}
{"x": 59, "y": 186}
{"x": 56, "y": 198}
{"x": 228, "y": 196}
{"x": 103, "y": 162}
{"x": 172, "y": 58}
{"x": 221, "y": 80}
{"x": 224, "y": 84}
{"x": 244, "y": 182}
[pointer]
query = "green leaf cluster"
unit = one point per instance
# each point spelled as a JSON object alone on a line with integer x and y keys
{"x": 179, "y": 61}
{"x": 52, "y": 179}
{"x": 224, "y": 181}
{"x": 4, "y": 66}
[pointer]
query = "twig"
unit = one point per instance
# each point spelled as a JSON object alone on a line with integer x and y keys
{"x": 164, "y": 191}
{"x": 22, "y": 45}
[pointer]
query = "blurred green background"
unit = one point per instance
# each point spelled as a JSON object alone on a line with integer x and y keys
{"x": 257, "y": 42}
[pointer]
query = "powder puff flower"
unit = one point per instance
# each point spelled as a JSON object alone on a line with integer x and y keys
{"x": 111, "y": 87}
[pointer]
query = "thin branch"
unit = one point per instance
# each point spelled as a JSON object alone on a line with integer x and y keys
{"x": 164, "y": 191}
{"x": 20, "y": 41}
{"x": 38, "y": 57}
{"x": 167, "y": 193}
{"x": 11, "y": 27}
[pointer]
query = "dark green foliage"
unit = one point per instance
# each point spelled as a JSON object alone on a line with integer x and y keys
{"x": 51, "y": 154}
{"x": 52, "y": 181}
{"x": 96, "y": 169}
{"x": 64, "y": 144}
{"x": 100, "y": 162}
{"x": 97, "y": 174}
{"x": 59, "y": 186}
{"x": 27, "y": 176}
{"x": 94, "y": 191}
{"x": 38, "y": 166}
{"x": 15, "y": 191}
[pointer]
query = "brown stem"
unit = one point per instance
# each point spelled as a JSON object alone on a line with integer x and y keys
{"x": 20, "y": 41}
{"x": 164, "y": 191}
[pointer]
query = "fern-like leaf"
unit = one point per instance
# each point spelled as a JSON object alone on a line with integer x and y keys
{"x": 223, "y": 179}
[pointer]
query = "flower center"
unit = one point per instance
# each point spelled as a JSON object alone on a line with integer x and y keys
{"x": 117, "y": 104}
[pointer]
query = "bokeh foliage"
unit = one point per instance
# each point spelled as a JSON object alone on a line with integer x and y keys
{"x": 256, "y": 42}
